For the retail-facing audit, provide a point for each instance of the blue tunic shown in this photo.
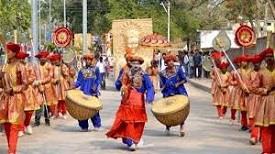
(147, 85)
(148, 88)
(168, 83)
(88, 80)
(118, 83)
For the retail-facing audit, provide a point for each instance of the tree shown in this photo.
(97, 9)
(132, 9)
(271, 5)
(14, 15)
(186, 15)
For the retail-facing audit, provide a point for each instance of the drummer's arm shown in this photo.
(161, 81)
(118, 83)
(150, 93)
(98, 79)
(182, 78)
(79, 79)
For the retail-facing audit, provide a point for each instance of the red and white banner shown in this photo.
(62, 37)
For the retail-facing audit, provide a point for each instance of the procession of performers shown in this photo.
(28, 89)
(12, 97)
(40, 90)
(250, 90)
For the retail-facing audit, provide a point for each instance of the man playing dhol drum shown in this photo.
(172, 81)
(88, 80)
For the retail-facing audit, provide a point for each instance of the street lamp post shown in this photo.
(34, 27)
(49, 26)
(64, 7)
(84, 40)
(39, 24)
(50, 11)
(168, 11)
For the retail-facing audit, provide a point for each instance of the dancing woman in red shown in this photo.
(131, 115)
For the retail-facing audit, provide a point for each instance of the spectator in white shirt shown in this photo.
(102, 69)
(157, 57)
(186, 62)
(162, 63)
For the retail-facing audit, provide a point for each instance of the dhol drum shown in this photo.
(171, 111)
(80, 106)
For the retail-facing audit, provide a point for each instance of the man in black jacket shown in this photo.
(197, 64)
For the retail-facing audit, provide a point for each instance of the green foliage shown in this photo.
(186, 15)
(51, 47)
(147, 9)
(237, 8)
(97, 9)
(14, 15)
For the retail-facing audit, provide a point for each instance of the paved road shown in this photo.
(204, 134)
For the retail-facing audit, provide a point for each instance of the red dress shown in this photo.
(131, 115)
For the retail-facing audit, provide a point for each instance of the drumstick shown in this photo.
(180, 83)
